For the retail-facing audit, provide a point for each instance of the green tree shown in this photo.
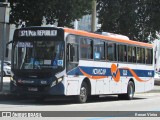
(133, 18)
(153, 24)
(114, 18)
(29, 11)
(66, 11)
(63, 12)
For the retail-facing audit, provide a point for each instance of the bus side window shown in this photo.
(99, 50)
(134, 54)
(148, 56)
(129, 54)
(140, 55)
(86, 48)
(106, 51)
(121, 53)
(143, 55)
(72, 52)
(111, 51)
(125, 53)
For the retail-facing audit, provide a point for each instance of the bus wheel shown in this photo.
(130, 92)
(82, 97)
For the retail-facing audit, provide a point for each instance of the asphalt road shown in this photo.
(149, 101)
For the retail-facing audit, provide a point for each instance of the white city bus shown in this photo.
(62, 61)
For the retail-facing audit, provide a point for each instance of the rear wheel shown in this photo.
(130, 92)
(82, 97)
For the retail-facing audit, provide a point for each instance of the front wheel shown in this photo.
(130, 92)
(82, 97)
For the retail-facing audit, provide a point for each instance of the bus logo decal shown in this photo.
(115, 72)
(91, 76)
(99, 71)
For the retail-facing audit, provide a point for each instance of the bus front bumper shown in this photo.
(37, 90)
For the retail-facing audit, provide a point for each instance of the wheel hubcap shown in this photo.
(131, 92)
(83, 93)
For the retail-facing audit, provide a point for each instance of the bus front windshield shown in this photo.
(38, 55)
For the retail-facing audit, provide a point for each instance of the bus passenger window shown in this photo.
(138, 55)
(99, 50)
(143, 55)
(129, 54)
(134, 54)
(125, 53)
(106, 51)
(121, 53)
(111, 51)
(148, 56)
(72, 52)
(86, 48)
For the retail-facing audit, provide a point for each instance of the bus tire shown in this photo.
(130, 92)
(82, 97)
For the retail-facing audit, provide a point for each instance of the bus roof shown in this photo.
(111, 38)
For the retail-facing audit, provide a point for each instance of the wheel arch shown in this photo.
(87, 81)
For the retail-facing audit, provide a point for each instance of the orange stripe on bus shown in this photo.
(101, 77)
(84, 33)
(135, 75)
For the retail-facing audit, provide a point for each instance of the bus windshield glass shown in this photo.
(38, 55)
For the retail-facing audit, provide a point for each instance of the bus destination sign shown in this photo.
(34, 33)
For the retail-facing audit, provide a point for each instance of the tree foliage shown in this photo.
(32, 12)
(134, 18)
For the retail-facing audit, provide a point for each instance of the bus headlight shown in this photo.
(60, 79)
(57, 81)
(11, 78)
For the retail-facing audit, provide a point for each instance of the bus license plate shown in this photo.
(33, 89)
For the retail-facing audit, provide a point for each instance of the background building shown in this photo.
(4, 26)
(84, 23)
